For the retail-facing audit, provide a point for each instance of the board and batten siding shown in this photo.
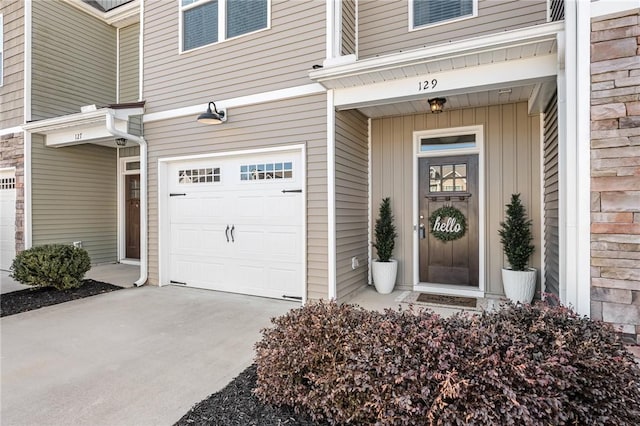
(74, 196)
(349, 27)
(512, 164)
(12, 90)
(551, 199)
(280, 123)
(73, 60)
(271, 59)
(129, 64)
(352, 202)
(383, 25)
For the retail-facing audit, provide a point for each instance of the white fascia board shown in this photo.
(611, 7)
(484, 77)
(79, 120)
(493, 41)
(10, 130)
(274, 95)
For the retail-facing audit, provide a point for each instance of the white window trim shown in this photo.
(478, 150)
(473, 14)
(222, 24)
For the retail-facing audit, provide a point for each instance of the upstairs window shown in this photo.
(424, 13)
(210, 21)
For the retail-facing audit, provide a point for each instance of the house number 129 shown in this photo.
(427, 85)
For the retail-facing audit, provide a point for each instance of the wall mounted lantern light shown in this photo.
(436, 104)
(121, 142)
(212, 117)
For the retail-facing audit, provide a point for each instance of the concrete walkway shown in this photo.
(138, 356)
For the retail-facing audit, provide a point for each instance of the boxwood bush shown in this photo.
(53, 265)
(524, 365)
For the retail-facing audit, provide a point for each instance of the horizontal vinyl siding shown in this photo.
(74, 197)
(511, 161)
(352, 201)
(383, 25)
(348, 27)
(551, 223)
(287, 122)
(74, 60)
(129, 63)
(277, 58)
(130, 151)
(12, 90)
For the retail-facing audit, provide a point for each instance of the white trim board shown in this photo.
(274, 95)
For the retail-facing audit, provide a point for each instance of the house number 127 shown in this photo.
(427, 85)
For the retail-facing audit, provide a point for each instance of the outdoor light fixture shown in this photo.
(121, 142)
(212, 117)
(436, 104)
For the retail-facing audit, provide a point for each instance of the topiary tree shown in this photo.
(53, 265)
(516, 236)
(385, 231)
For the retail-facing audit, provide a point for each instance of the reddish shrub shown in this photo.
(521, 365)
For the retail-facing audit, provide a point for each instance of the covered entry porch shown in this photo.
(501, 132)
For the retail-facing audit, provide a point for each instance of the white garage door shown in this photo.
(236, 224)
(7, 218)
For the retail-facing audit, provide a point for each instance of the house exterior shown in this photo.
(322, 115)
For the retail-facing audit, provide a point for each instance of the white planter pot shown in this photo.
(384, 275)
(519, 286)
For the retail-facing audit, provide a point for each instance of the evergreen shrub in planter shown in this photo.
(519, 281)
(384, 269)
(54, 265)
(525, 364)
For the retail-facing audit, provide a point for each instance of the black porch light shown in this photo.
(436, 104)
(121, 142)
(212, 117)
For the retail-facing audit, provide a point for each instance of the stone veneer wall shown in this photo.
(12, 155)
(615, 171)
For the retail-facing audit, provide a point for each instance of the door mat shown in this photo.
(439, 299)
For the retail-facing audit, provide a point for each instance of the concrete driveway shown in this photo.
(137, 356)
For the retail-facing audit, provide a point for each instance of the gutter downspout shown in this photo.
(111, 128)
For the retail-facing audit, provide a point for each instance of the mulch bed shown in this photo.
(34, 298)
(235, 405)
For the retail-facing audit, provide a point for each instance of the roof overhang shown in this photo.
(83, 127)
(514, 58)
(121, 16)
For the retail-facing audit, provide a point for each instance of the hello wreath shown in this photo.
(447, 223)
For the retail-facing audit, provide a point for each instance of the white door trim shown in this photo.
(163, 205)
(122, 226)
(477, 150)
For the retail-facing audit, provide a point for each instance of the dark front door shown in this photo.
(449, 181)
(132, 216)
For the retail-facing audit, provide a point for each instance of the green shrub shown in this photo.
(521, 365)
(55, 265)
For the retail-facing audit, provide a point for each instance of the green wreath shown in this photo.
(447, 223)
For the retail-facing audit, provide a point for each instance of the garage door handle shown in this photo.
(226, 233)
(233, 228)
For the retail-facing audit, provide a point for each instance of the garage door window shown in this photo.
(265, 171)
(208, 175)
(8, 183)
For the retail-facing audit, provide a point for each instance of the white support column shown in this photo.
(574, 158)
(331, 196)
